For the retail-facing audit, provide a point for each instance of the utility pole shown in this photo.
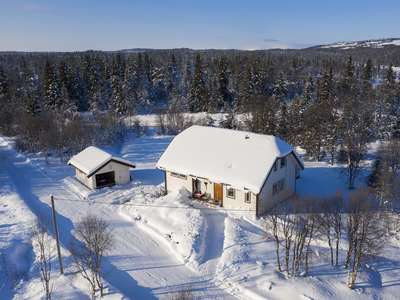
(56, 234)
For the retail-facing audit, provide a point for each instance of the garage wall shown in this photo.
(86, 181)
(122, 175)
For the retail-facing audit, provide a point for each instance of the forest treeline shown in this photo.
(328, 101)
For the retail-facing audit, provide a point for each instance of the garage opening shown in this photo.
(105, 179)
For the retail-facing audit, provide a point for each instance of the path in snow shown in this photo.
(214, 239)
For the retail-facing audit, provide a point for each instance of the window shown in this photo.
(230, 192)
(283, 161)
(277, 187)
(276, 166)
(281, 184)
(247, 197)
(181, 176)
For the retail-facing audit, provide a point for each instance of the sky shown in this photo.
(79, 25)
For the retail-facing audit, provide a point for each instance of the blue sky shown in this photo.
(77, 25)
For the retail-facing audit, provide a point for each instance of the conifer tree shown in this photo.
(4, 89)
(306, 96)
(280, 94)
(392, 103)
(51, 87)
(223, 81)
(33, 107)
(79, 92)
(258, 76)
(368, 71)
(32, 95)
(93, 95)
(198, 87)
(246, 89)
(173, 76)
(348, 78)
(295, 122)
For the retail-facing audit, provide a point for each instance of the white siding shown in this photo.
(82, 178)
(239, 200)
(175, 182)
(122, 175)
(288, 173)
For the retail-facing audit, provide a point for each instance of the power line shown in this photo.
(150, 205)
(125, 203)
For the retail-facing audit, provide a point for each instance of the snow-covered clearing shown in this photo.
(163, 244)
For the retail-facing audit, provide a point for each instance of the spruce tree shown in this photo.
(258, 76)
(223, 81)
(173, 75)
(368, 71)
(280, 94)
(4, 89)
(198, 87)
(79, 92)
(246, 90)
(51, 87)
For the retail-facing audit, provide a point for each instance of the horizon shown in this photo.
(141, 49)
(75, 26)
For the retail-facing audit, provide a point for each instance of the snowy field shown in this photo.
(164, 244)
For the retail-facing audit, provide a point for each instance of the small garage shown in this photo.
(97, 168)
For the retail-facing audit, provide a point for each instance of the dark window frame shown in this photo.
(247, 197)
(278, 186)
(178, 175)
(283, 162)
(228, 189)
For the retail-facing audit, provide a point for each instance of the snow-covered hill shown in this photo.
(379, 43)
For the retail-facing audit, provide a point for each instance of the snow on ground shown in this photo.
(166, 243)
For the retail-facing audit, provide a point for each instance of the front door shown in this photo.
(217, 191)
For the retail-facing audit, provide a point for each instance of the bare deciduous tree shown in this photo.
(175, 120)
(364, 233)
(330, 219)
(96, 239)
(161, 121)
(272, 224)
(45, 247)
(292, 223)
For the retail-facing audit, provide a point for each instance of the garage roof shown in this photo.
(90, 160)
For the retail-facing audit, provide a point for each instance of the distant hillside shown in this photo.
(379, 43)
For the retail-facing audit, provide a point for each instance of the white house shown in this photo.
(97, 168)
(235, 168)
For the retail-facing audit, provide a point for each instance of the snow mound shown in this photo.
(172, 220)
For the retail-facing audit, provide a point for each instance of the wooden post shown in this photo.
(56, 234)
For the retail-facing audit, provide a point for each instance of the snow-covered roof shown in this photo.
(90, 160)
(237, 158)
